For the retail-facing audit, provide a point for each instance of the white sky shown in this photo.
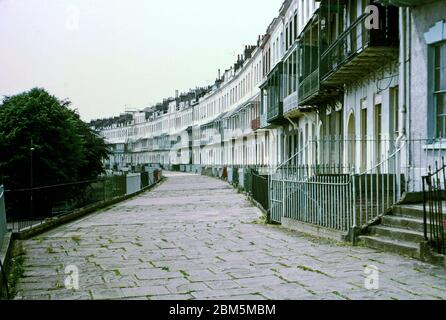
(122, 53)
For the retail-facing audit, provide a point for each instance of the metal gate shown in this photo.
(276, 207)
(434, 190)
(307, 194)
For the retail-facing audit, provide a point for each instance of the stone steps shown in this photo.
(415, 212)
(397, 234)
(405, 223)
(400, 232)
(412, 211)
(387, 244)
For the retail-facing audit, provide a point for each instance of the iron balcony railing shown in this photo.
(290, 103)
(355, 41)
(434, 192)
(211, 138)
(274, 102)
(308, 86)
(275, 111)
(205, 140)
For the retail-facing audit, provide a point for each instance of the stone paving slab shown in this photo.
(193, 237)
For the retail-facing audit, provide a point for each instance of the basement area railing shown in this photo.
(335, 196)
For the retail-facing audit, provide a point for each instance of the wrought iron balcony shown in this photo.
(359, 50)
(211, 138)
(308, 87)
(290, 103)
(275, 112)
(310, 92)
(205, 140)
(274, 98)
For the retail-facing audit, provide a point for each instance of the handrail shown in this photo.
(294, 156)
(366, 199)
(53, 186)
(384, 161)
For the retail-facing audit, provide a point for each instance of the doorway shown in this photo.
(351, 142)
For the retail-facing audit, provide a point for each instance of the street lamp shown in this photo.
(31, 149)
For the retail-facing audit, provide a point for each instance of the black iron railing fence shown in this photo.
(259, 189)
(32, 206)
(3, 228)
(3, 278)
(434, 191)
(4, 281)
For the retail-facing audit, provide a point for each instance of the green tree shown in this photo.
(36, 126)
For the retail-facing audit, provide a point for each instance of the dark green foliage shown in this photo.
(65, 148)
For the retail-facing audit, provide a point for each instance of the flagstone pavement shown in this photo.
(195, 237)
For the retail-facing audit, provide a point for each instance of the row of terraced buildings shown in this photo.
(340, 105)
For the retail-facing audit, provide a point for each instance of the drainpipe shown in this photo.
(409, 70)
(402, 77)
(402, 97)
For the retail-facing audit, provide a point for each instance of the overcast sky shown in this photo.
(105, 55)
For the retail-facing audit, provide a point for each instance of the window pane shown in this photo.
(441, 114)
(443, 56)
(437, 56)
(440, 68)
(437, 79)
(442, 81)
(441, 103)
(440, 127)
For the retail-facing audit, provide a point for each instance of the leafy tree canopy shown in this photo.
(64, 148)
